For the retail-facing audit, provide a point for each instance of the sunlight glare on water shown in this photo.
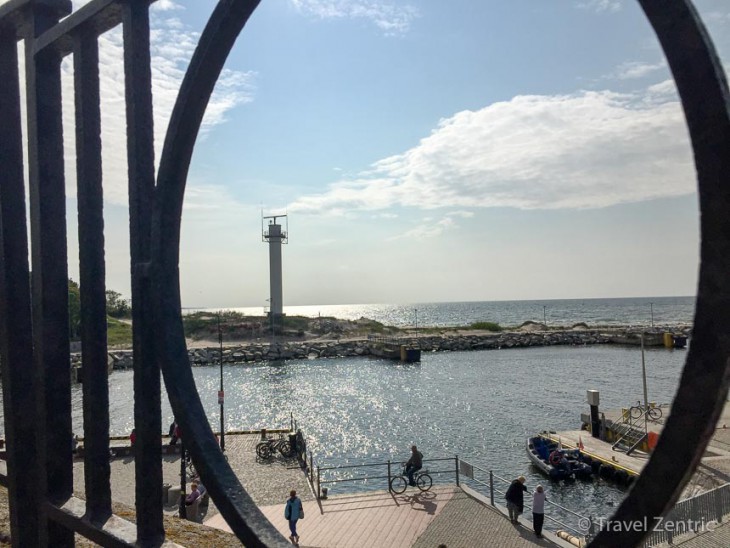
(480, 405)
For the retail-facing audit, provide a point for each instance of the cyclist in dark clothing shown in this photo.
(414, 464)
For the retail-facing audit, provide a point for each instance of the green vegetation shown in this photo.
(297, 322)
(116, 306)
(486, 326)
(369, 325)
(200, 325)
(118, 333)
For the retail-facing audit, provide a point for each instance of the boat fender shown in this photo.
(555, 457)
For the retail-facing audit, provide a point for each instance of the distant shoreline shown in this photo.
(207, 352)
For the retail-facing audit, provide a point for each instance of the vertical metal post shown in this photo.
(652, 314)
(311, 468)
(491, 488)
(25, 481)
(291, 421)
(456, 462)
(49, 265)
(717, 504)
(141, 170)
(416, 311)
(544, 315)
(389, 475)
(221, 396)
(183, 481)
(643, 376)
(318, 479)
(97, 469)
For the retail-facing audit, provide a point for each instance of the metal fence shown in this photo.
(495, 484)
(386, 471)
(695, 515)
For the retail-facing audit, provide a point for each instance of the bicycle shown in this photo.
(266, 448)
(399, 483)
(189, 466)
(652, 413)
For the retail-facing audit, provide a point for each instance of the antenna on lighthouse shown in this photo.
(272, 233)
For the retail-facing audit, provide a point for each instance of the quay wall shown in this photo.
(254, 352)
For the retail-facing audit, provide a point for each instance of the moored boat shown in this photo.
(555, 462)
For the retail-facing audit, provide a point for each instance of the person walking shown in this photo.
(538, 510)
(515, 498)
(294, 511)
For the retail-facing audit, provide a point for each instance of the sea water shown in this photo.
(643, 311)
(480, 405)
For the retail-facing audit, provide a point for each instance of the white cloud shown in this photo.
(600, 5)
(585, 150)
(392, 19)
(166, 5)
(429, 227)
(637, 69)
(172, 44)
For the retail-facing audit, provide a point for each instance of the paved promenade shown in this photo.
(268, 482)
(375, 519)
(380, 519)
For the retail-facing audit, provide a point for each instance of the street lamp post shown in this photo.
(221, 396)
(416, 311)
(544, 315)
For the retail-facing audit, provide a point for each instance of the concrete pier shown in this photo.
(714, 468)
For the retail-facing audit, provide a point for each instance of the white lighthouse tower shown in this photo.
(273, 234)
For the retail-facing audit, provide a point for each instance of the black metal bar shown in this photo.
(49, 267)
(240, 512)
(140, 160)
(97, 470)
(96, 17)
(703, 88)
(15, 12)
(25, 486)
(491, 488)
(114, 532)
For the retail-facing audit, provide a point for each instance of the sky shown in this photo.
(423, 151)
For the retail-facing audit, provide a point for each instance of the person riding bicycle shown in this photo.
(414, 464)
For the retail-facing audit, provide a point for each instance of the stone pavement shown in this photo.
(268, 482)
(465, 523)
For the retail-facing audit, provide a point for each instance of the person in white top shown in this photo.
(538, 510)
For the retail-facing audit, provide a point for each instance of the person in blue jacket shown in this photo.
(293, 512)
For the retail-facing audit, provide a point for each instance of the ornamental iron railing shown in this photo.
(34, 347)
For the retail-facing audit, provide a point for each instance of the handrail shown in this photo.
(493, 489)
(317, 487)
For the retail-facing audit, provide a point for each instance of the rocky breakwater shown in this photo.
(298, 350)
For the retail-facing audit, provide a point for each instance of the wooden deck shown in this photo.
(601, 450)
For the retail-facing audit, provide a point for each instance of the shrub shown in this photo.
(486, 326)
